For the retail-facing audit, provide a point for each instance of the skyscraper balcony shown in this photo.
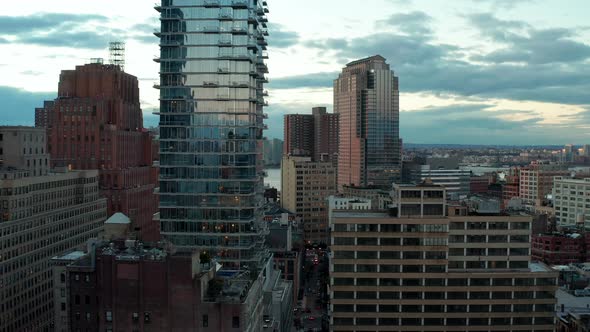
(211, 3)
(239, 30)
(225, 16)
(239, 3)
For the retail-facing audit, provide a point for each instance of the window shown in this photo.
(135, 317)
(109, 316)
(63, 306)
(235, 322)
(147, 317)
(205, 320)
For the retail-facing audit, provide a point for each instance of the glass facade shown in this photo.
(366, 98)
(212, 73)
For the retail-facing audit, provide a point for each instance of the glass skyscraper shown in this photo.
(212, 73)
(366, 98)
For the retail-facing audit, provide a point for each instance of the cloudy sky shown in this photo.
(471, 71)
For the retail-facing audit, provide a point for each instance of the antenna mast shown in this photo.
(117, 54)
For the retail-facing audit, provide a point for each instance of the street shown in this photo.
(311, 314)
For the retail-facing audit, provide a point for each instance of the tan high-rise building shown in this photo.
(366, 98)
(40, 217)
(536, 181)
(412, 268)
(306, 186)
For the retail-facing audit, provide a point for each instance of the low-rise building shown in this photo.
(126, 285)
(559, 249)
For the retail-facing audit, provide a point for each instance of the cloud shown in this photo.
(524, 44)
(477, 124)
(81, 39)
(503, 4)
(17, 25)
(87, 31)
(18, 106)
(413, 23)
(280, 37)
(543, 72)
(316, 80)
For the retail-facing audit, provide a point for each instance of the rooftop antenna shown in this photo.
(117, 54)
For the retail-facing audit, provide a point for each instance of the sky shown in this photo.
(511, 72)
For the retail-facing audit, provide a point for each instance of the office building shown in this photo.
(306, 186)
(569, 153)
(536, 181)
(366, 99)
(380, 198)
(212, 72)
(96, 123)
(571, 201)
(273, 152)
(343, 202)
(24, 148)
(456, 181)
(312, 135)
(40, 217)
(413, 268)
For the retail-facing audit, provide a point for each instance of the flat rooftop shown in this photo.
(570, 301)
(358, 214)
(72, 256)
(540, 267)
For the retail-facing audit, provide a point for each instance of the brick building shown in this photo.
(126, 285)
(312, 135)
(96, 123)
(479, 184)
(559, 249)
(536, 181)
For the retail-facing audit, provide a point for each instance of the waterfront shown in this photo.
(273, 178)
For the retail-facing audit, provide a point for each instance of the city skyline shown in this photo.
(477, 65)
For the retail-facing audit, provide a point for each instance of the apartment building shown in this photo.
(413, 268)
(571, 200)
(306, 186)
(312, 135)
